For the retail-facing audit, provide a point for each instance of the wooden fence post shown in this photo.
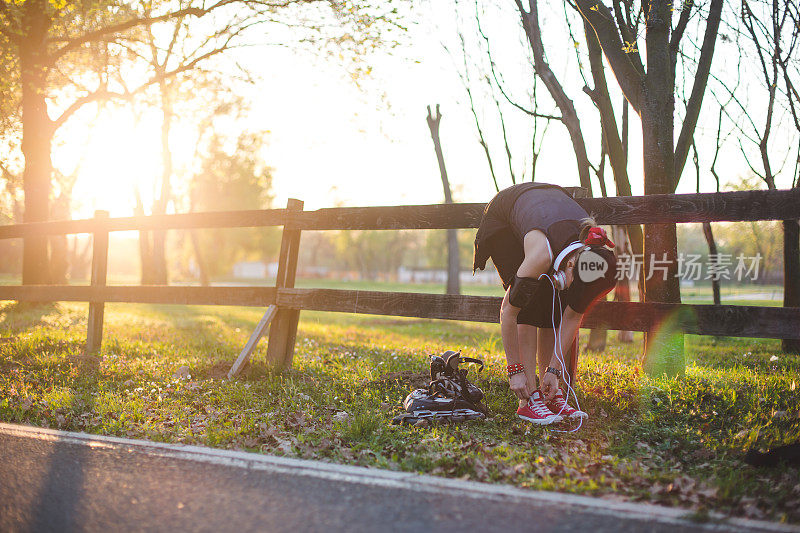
(283, 331)
(94, 334)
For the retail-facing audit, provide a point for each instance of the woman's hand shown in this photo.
(519, 385)
(549, 386)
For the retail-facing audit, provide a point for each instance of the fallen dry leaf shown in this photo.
(296, 419)
(284, 445)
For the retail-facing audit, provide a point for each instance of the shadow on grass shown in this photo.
(60, 495)
(19, 316)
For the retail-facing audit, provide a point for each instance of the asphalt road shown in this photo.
(58, 481)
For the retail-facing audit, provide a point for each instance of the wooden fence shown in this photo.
(288, 301)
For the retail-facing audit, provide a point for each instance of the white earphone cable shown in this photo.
(559, 353)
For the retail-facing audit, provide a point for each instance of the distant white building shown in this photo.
(252, 270)
(432, 275)
(481, 277)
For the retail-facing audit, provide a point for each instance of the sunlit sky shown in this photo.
(331, 143)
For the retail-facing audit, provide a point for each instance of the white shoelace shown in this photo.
(561, 402)
(538, 407)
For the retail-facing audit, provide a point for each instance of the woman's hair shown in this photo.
(586, 224)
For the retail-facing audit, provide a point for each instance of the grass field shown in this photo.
(677, 442)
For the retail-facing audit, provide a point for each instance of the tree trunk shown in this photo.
(712, 251)
(201, 261)
(597, 337)
(530, 22)
(157, 256)
(622, 292)
(80, 261)
(616, 146)
(664, 348)
(145, 261)
(59, 247)
(37, 136)
(59, 260)
(616, 143)
(453, 282)
(791, 275)
(634, 231)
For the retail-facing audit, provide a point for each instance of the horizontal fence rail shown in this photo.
(737, 206)
(727, 320)
(145, 294)
(211, 219)
(656, 209)
(724, 320)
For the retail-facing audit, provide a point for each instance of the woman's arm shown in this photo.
(510, 338)
(570, 323)
(536, 262)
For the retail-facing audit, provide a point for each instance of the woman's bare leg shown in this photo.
(527, 351)
(545, 344)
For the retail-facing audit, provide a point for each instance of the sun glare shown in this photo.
(119, 155)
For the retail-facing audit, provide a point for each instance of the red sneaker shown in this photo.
(560, 405)
(536, 411)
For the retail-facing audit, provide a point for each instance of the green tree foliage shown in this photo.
(57, 56)
(372, 252)
(435, 252)
(748, 239)
(234, 177)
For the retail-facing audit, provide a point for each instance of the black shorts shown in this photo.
(507, 254)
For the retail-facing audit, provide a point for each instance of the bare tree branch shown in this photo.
(791, 90)
(629, 77)
(95, 96)
(101, 33)
(103, 94)
(747, 160)
(505, 139)
(530, 22)
(574, 42)
(677, 33)
(733, 98)
(599, 95)
(465, 82)
(600, 171)
(493, 69)
(796, 177)
(716, 150)
(698, 88)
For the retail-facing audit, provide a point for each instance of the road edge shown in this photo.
(392, 479)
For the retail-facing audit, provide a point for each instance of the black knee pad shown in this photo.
(523, 291)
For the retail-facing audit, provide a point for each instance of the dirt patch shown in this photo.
(218, 370)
